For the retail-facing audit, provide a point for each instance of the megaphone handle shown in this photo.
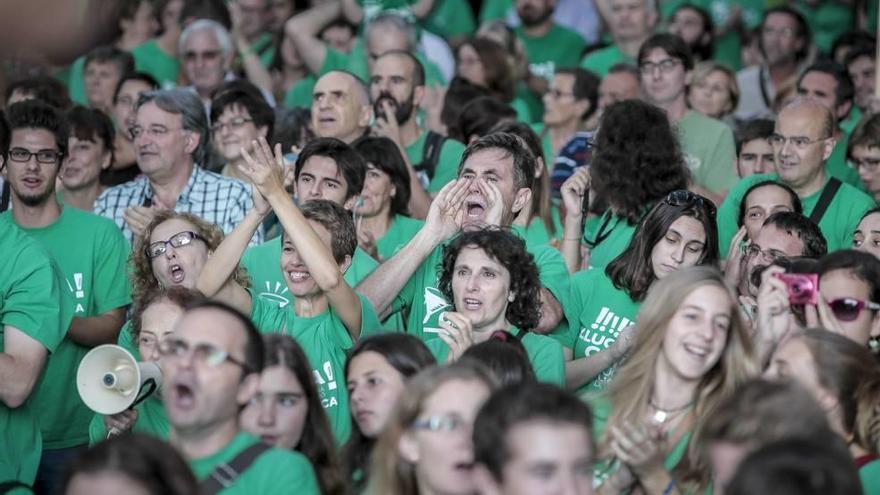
(150, 386)
(114, 431)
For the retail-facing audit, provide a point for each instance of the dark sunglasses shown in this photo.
(849, 309)
(683, 197)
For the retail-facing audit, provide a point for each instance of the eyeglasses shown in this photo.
(799, 142)
(234, 123)
(207, 56)
(206, 354)
(684, 197)
(769, 256)
(848, 308)
(155, 131)
(179, 239)
(22, 155)
(556, 94)
(441, 422)
(666, 66)
(869, 164)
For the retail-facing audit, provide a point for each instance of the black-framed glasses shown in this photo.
(440, 422)
(46, 156)
(683, 197)
(799, 142)
(849, 308)
(666, 66)
(179, 239)
(869, 164)
(233, 123)
(209, 355)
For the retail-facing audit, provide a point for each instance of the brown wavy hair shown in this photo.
(143, 281)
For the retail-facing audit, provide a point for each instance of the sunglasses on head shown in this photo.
(849, 309)
(683, 197)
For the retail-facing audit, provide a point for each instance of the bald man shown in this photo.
(802, 141)
(341, 107)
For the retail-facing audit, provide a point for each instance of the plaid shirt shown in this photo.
(220, 200)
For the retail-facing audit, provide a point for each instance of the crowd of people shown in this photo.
(443, 247)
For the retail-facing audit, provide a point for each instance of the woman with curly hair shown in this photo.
(636, 162)
(677, 233)
(691, 351)
(493, 284)
(286, 411)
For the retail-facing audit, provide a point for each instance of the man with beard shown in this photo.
(785, 43)
(90, 253)
(397, 88)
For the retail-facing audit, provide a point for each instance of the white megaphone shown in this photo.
(110, 380)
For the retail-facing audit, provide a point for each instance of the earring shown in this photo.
(511, 297)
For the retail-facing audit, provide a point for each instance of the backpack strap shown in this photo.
(430, 156)
(227, 473)
(825, 199)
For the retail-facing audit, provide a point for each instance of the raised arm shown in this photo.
(573, 191)
(216, 280)
(444, 220)
(268, 176)
(303, 30)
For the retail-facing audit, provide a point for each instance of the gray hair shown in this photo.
(221, 34)
(391, 19)
(191, 110)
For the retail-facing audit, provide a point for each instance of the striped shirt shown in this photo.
(220, 200)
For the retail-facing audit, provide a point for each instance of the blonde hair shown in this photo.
(702, 71)
(390, 474)
(143, 280)
(631, 390)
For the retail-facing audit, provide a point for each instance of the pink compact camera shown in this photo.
(803, 288)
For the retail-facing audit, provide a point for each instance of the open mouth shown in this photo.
(297, 276)
(177, 273)
(464, 467)
(475, 209)
(697, 352)
(184, 396)
(472, 304)
(32, 181)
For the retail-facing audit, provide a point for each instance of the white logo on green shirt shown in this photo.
(435, 304)
(326, 384)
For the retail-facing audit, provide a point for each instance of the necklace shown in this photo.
(662, 415)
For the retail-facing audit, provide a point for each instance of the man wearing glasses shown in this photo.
(666, 65)
(171, 140)
(211, 364)
(90, 254)
(785, 44)
(802, 141)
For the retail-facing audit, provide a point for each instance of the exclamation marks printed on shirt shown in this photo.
(602, 314)
(624, 323)
(328, 370)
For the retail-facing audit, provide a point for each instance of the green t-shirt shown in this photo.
(827, 21)
(870, 477)
(545, 355)
(559, 48)
(424, 301)
(709, 151)
(76, 82)
(151, 420)
(149, 58)
(402, 229)
(603, 59)
(263, 264)
(275, 470)
(91, 267)
(300, 94)
(451, 18)
(607, 236)
(325, 341)
(447, 165)
(727, 47)
(852, 120)
(599, 312)
(601, 407)
(536, 233)
(837, 224)
(31, 301)
(837, 166)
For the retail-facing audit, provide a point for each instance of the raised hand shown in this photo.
(641, 447)
(368, 243)
(388, 126)
(573, 190)
(263, 169)
(774, 319)
(734, 258)
(447, 210)
(119, 423)
(457, 332)
(139, 217)
(494, 201)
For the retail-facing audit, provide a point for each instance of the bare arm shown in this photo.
(250, 61)
(581, 371)
(352, 12)
(303, 30)
(21, 363)
(96, 330)
(443, 221)
(573, 191)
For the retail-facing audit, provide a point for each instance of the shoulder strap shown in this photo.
(431, 153)
(227, 473)
(825, 199)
